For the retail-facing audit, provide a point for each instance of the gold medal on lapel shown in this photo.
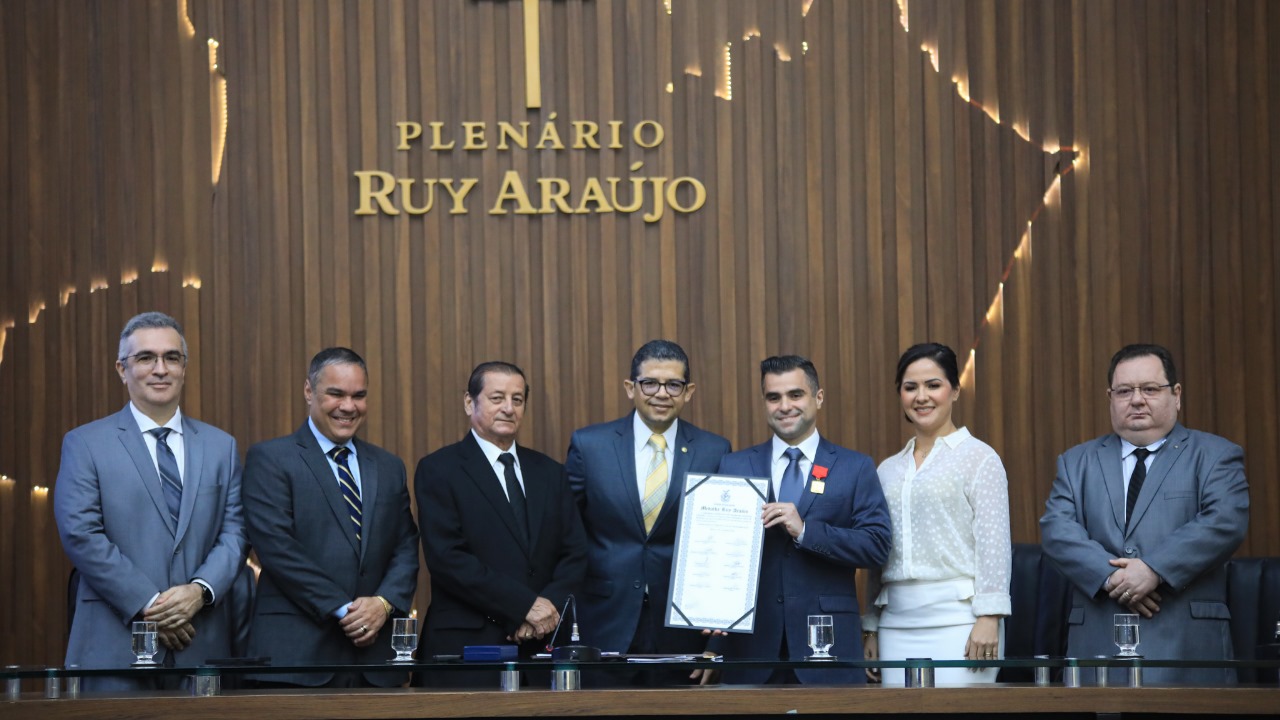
(817, 487)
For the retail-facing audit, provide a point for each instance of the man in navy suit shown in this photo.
(826, 517)
(148, 506)
(626, 476)
(501, 535)
(329, 517)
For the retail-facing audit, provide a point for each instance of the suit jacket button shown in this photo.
(779, 598)
(1130, 551)
(635, 585)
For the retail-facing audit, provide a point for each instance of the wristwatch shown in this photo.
(206, 592)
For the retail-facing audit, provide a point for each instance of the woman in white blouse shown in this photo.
(945, 590)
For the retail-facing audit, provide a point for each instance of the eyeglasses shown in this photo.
(1148, 391)
(173, 358)
(649, 386)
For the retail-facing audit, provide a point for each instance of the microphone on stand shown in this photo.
(574, 651)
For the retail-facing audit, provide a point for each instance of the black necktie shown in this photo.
(1135, 482)
(515, 494)
(170, 478)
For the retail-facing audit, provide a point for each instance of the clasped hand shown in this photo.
(1134, 585)
(365, 617)
(540, 620)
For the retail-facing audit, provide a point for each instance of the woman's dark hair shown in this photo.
(944, 356)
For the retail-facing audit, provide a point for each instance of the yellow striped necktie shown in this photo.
(655, 484)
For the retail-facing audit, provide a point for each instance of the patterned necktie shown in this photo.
(656, 482)
(170, 478)
(515, 494)
(792, 485)
(347, 484)
(1135, 482)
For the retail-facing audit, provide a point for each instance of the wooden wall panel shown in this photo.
(858, 200)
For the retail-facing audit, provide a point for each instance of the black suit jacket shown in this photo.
(311, 560)
(484, 578)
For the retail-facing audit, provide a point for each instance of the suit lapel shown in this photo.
(1165, 459)
(682, 454)
(1108, 458)
(826, 457)
(193, 448)
(311, 455)
(476, 467)
(627, 490)
(537, 496)
(761, 467)
(136, 447)
(368, 493)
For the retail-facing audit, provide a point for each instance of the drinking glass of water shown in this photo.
(144, 642)
(404, 639)
(822, 635)
(1126, 635)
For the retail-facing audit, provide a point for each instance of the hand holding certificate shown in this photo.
(719, 544)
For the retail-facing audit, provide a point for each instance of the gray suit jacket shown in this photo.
(311, 561)
(1191, 515)
(116, 528)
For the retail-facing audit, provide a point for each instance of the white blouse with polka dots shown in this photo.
(950, 522)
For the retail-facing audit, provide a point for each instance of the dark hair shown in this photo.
(333, 356)
(940, 354)
(148, 321)
(1129, 352)
(779, 364)
(475, 384)
(659, 350)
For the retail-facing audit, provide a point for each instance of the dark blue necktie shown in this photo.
(792, 484)
(170, 478)
(347, 483)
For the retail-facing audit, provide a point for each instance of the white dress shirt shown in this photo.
(1128, 462)
(492, 453)
(645, 452)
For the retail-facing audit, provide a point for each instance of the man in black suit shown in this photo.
(329, 517)
(502, 537)
(626, 475)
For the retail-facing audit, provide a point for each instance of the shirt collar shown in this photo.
(491, 451)
(1127, 448)
(146, 424)
(809, 447)
(643, 433)
(952, 441)
(325, 443)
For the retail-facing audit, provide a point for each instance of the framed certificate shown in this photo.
(719, 543)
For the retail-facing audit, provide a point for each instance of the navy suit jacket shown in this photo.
(484, 576)
(622, 559)
(311, 561)
(116, 528)
(846, 527)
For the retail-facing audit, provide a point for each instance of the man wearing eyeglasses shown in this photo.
(1142, 521)
(147, 503)
(627, 476)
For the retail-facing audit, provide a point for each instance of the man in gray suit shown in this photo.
(328, 515)
(1143, 521)
(626, 476)
(147, 503)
